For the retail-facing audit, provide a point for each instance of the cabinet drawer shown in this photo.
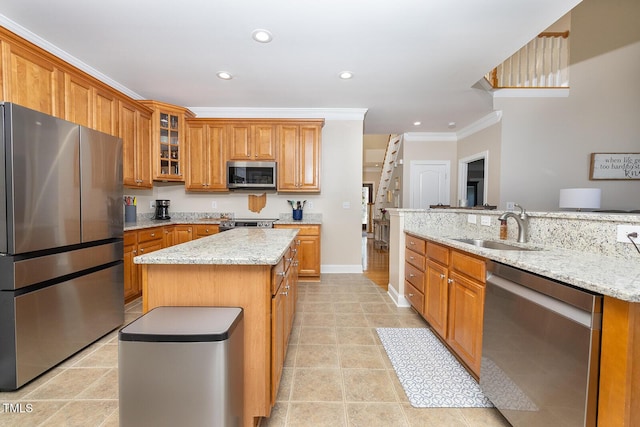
(415, 244)
(415, 297)
(415, 259)
(148, 247)
(468, 265)
(130, 238)
(305, 230)
(414, 276)
(438, 253)
(277, 275)
(203, 230)
(150, 234)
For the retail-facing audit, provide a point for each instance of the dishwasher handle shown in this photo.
(583, 317)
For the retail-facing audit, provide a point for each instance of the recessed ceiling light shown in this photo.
(224, 75)
(452, 125)
(262, 36)
(417, 123)
(346, 75)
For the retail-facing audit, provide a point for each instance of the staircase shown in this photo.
(542, 63)
(388, 168)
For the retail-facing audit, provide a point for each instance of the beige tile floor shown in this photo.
(336, 372)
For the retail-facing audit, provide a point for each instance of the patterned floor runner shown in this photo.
(430, 375)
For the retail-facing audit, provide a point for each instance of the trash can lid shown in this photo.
(183, 324)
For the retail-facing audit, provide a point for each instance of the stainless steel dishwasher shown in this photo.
(541, 349)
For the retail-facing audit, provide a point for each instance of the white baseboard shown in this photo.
(398, 299)
(344, 269)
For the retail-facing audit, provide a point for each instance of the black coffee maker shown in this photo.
(162, 209)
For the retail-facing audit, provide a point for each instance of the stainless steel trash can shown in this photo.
(182, 366)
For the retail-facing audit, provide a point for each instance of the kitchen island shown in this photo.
(255, 269)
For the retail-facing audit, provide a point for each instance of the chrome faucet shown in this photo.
(523, 222)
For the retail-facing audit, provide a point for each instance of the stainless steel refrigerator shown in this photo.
(61, 250)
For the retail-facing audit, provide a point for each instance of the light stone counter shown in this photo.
(611, 276)
(240, 246)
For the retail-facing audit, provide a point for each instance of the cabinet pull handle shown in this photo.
(141, 250)
(153, 234)
(411, 275)
(135, 252)
(410, 295)
(281, 273)
(412, 243)
(285, 293)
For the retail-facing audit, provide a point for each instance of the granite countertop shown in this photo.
(241, 246)
(614, 277)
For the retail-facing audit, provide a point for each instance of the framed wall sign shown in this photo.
(619, 166)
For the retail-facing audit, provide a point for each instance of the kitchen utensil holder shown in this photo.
(297, 214)
(130, 213)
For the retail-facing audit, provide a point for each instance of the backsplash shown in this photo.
(584, 232)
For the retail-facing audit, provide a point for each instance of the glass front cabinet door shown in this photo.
(168, 136)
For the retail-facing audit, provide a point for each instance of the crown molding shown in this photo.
(488, 120)
(275, 113)
(55, 50)
(430, 136)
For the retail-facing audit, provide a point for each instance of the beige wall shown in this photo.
(341, 183)
(428, 147)
(547, 142)
(488, 139)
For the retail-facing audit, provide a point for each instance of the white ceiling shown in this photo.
(413, 60)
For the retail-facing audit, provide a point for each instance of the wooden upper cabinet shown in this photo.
(105, 111)
(206, 156)
(32, 81)
(299, 157)
(135, 131)
(168, 140)
(90, 106)
(78, 100)
(252, 141)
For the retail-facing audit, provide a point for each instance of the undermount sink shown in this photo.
(492, 244)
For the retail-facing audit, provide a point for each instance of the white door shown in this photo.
(429, 183)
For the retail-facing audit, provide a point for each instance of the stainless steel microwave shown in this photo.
(251, 175)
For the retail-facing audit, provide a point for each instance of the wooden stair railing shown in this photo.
(388, 166)
(541, 63)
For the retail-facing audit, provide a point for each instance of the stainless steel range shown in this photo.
(229, 224)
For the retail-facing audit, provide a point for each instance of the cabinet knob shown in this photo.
(285, 293)
(412, 243)
(449, 281)
(141, 250)
(410, 295)
(135, 252)
(412, 275)
(153, 234)
(281, 273)
(442, 276)
(411, 257)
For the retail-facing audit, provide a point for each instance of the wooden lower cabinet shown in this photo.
(182, 234)
(204, 230)
(136, 243)
(436, 302)
(452, 286)
(309, 250)
(466, 308)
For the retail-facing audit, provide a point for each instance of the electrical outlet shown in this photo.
(471, 219)
(624, 230)
(485, 220)
(214, 204)
(152, 204)
(309, 204)
(511, 206)
(346, 205)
